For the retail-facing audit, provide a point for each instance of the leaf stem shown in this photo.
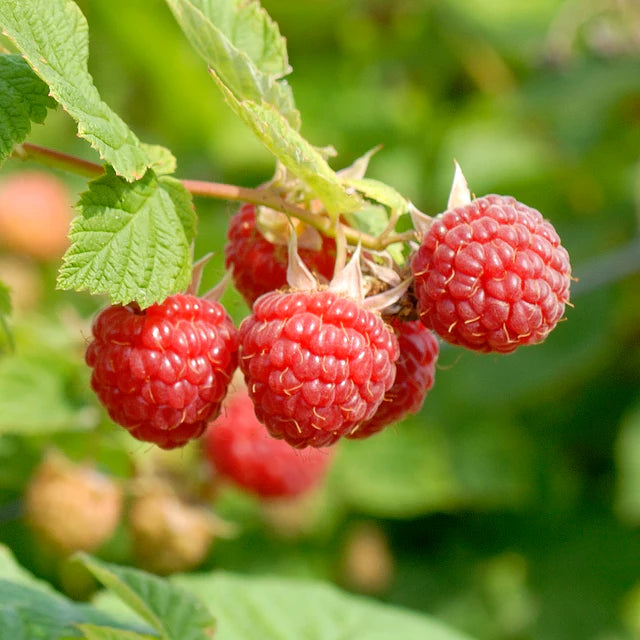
(260, 196)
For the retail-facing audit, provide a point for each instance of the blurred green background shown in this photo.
(510, 506)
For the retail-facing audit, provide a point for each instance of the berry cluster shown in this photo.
(322, 361)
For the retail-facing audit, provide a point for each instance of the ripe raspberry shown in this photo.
(491, 275)
(260, 266)
(316, 363)
(240, 448)
(415, 371)
(71, 507)
(163, 372)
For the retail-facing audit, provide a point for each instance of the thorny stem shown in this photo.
(260, 196)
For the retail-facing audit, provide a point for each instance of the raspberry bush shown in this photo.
(300, 329)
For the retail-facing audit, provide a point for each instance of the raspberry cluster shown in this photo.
(319, 362)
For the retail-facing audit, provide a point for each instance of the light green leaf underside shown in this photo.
(243, 46)
(53, 37)
(172, 611)
(293, 151)
(380, 192)
(24, 99)
(131, 240)
(163, 162)
(288, 609)
(250, 29)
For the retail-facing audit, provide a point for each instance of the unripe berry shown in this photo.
(71, 507)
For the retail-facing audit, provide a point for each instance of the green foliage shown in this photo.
(6, 338)
(131, 240)
(23, 99)
(53, 37)
(171, 611)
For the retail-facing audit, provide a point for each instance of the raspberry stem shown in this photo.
(260, 196)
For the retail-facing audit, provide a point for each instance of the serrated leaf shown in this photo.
(172, 611)
(380, 192)
(93, 632)
(163, 162)
(53, 37)
(249, 607)
(131, 240)
(250, 29)
(293, 151)
(243, 46)
(24, 99)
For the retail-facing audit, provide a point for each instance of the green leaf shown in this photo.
(269, 607)
(163, 161)
(34, 398)
(24, 99)
(6, 337)
(53, 37)
(380, 192)
(172, 611)
(93, 632)
(293, 151)
(243, 46)
(131, 240)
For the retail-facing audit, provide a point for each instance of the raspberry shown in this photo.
(491, 275)
(240, 448)
(163, 372)
(260, 266)
(316, 363)
(168, 534)
(71, 507)
(415, 371)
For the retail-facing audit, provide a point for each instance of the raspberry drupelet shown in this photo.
(162, 372)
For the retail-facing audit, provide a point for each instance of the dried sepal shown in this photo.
(298, 274)
(459, 194)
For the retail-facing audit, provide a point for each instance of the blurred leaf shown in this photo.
(34, 398)
(296, 154)
(174, 612)
(6, 338)
(53, 37)
(131, 240)
(627, 450)
(416, 468)
(31, 609)
(93, 632)
(23, 99)
(243, 46)
(259, 607)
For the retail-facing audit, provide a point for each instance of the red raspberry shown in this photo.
(162, 373)
(491, 275)
(260, 266)
(240, 448)
(317, 364)
(415, 371)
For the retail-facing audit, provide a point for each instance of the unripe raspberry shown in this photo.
(163, 372)
(168, 534)
(491, 275)
(35, 213)
(316, 363)
(241, 449)
(260, 266)
(71, 507)
(415, 371)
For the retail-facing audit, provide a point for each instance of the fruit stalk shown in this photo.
(261, 196)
